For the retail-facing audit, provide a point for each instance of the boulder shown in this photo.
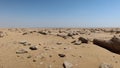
(83, 40)
(112, 45)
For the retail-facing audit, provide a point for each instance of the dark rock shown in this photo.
(43, 32)
(83, 40)
(61, 55)
(25, 33)
(33, 48)
(50, 55)
(34, 60)
(113, 44)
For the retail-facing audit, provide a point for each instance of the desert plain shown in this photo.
(56, 48)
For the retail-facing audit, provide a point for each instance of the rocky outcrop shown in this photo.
(113, 44)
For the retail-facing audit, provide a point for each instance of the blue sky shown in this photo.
(59, 13)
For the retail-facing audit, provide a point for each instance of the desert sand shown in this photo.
(56, 48)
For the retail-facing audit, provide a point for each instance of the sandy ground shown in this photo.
(15, 49)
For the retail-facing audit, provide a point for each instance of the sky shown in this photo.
(60, 13)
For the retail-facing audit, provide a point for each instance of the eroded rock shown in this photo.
(33, 48)
(21, 51)
(67, 65)
(83, 40)
(76, 42)
(61, 55)
(113, 44)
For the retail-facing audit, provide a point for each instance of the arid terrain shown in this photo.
(57, 48)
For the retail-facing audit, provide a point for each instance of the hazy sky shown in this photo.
(59, 13)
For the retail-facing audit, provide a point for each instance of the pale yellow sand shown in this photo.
(81, 56)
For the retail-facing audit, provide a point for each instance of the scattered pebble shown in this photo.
(58, 43)
(29, 56)
(61, 55)
(34, 60)
(21, 51)
(33, 48)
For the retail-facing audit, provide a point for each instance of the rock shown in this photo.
(61, 55)
(72, 33)
(83, 40)
(112, 45)
(43, 32)
(21, 51)
(63, 35)
(116, 40)
(50, 55)
(33, 48)
(2, 34)
(67, 65)
(34, 60)
(76, 42)
(23, 42)
(105, 65)
(25, 33)
(58, 43)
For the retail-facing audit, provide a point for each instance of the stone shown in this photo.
(83, 40)
(2, 34)
(77, 42)
(34, 60)
(25, 33)
(105, 65)
(43, 32)
(23, 42)
(58, 43)
(29, 56)
(71, 34)
(21, 51)
(63, 35)
(33, 48)
(112, 45)
(61, 55)
(67, 65)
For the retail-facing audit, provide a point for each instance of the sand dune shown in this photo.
(56, 48)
